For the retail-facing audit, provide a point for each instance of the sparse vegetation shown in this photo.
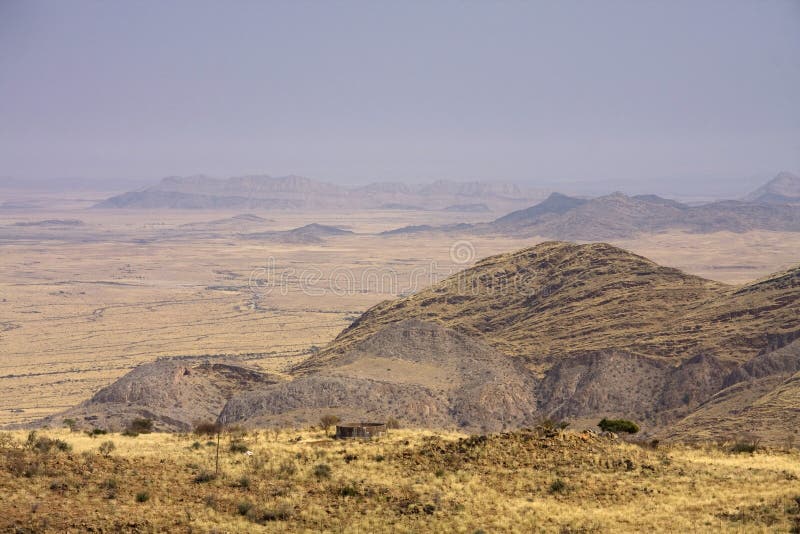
(327, 421)
(618, 425)
(138, 426)
(322, 471)
(558, 486)
(204, 476)
(745, 446)
(106, 448)
(525, 480)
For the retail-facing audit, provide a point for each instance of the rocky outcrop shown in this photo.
(174, 393)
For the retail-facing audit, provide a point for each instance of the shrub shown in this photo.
(138, 426)
(552, 424)
(392, 423)
(238, 447)
(349, 490)
(207, 428)
(196, 445)
(142, 496)
(70, 423)
(327, 421)
(618, 425)
(204, 476)
(7, 441)
(44, 444)
(558, 486)
(106, 448)
(287, 469)
(243, 482)
(745, 446)
(93, 433)
(19, 464)
(244, 507)
(322, 471)
(59, 485)
(282, 512)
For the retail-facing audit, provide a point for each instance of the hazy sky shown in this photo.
(671, 94)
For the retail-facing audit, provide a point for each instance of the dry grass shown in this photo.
(409, 481)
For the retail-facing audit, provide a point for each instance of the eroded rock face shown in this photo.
(421, 373)
(175, 393)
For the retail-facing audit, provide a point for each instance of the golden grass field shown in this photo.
(408, 481)
(81, 306)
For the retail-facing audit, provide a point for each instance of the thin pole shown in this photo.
(216, 469)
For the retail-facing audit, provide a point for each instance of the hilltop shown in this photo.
(558, 298)
(783, 189)
(310, 233)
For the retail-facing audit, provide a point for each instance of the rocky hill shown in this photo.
(310, 233)
(556, 299)
(783, 189)
(174, 393)
(620, 216)
(559, 330)
(426, 374)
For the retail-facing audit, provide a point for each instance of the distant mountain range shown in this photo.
(772, 207)
(296, 192)
(783, 189)
(559, 330)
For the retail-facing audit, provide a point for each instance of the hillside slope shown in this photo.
(783, 189)
(620, 216)
(419, 372)
(175, 393)
(555, 299)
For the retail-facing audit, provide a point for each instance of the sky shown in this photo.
(670, 97)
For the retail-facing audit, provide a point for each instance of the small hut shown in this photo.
(360, 430)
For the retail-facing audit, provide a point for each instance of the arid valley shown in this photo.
(399, 267)
(83, 304)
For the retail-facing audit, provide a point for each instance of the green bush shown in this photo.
(618, 425)
(142, 496)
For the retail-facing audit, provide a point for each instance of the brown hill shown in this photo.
(174, 393)
(556, 299)
(310, 233)
(419, 372)
(762, 399)
(558, 330)
(621, 216)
